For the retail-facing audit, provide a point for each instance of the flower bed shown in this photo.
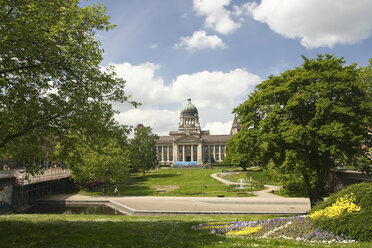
(293, 228)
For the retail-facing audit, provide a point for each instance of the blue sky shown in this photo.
(216, 51)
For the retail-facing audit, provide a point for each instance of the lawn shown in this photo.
(175, 182)
(128, 231)
(257, 175)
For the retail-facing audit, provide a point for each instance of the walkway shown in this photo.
(263, 203)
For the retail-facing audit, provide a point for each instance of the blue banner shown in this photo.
(186, 163)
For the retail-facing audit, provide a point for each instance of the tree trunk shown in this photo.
(104, 189)
(244, 168)
(315, 192)
(144, 173)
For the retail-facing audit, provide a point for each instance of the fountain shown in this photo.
(241, 182)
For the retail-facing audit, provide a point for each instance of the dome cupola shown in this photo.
(189, 118)
(189, 107)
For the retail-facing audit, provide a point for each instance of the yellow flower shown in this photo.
(342, 205)
(215, 226)
(244, 231)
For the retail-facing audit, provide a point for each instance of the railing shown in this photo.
(49, 174)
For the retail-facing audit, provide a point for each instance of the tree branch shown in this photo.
(18, 69)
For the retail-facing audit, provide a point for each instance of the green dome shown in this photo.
(189, 107)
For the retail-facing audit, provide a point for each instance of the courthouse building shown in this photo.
(190, 145)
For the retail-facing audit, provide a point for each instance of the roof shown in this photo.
(189, 107)
(216, 138)
(165, 139)
(206, 139)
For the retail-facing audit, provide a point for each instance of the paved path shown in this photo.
(264, 203)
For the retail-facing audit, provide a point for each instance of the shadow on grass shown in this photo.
(136, 190)
(140, 178)
(109, 233)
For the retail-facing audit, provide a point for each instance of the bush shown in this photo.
(295, 187)
(355, 224)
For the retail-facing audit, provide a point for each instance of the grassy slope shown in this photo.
(125, 231)
(183, 182)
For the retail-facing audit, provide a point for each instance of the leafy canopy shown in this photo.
(308, 120)
(50, 78)
(143, 150)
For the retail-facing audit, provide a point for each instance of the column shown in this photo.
(214, 152)
(162, 153)
(200, 153)
(219, 152)
(175, 153)
(192, 152)
(168, 154)
(183, 153)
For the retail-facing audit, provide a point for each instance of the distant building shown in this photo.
(190, 145)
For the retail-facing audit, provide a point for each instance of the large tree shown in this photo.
(309, 120)
(242, 154)
(50, 79)
(143, 150)
(103, 157)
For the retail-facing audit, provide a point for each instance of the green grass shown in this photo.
(127, 231)
(257, 176)
(176, 182)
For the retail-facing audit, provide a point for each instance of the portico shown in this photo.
(190, 144)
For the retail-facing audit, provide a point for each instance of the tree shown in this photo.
(242, 154)
(309, 120)
(143, 150)
(50, 78)
(105, 157)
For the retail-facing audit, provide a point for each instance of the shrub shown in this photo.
(356, 224)
(294, 187)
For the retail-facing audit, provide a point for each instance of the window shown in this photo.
(171, 153)
(195, 153)
(222, 151)
(211, 153)
(205, 153)
(159, 153)
(217, 152)
(188, 153)
(165, 157)
(180, 153)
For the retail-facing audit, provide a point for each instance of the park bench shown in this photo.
(242, 193)
(160, 191)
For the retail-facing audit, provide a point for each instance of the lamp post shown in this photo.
(251, 185)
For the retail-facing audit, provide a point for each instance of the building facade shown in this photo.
(190, 145)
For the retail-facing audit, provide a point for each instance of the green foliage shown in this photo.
(143, 150)
(355, 224)
(105, 158)
(295, 187)
(306, 121)
(241, 154)
(51, 82)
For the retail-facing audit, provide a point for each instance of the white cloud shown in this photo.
(217, 90)
(218, 17)
(218, 127)
(215, 94)
(142, 83)
(317, 23)
(153, 46)
(200, 40)
(161, 121)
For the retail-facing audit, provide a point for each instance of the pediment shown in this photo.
(187, 139)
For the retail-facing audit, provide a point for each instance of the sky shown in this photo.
(217, 51)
